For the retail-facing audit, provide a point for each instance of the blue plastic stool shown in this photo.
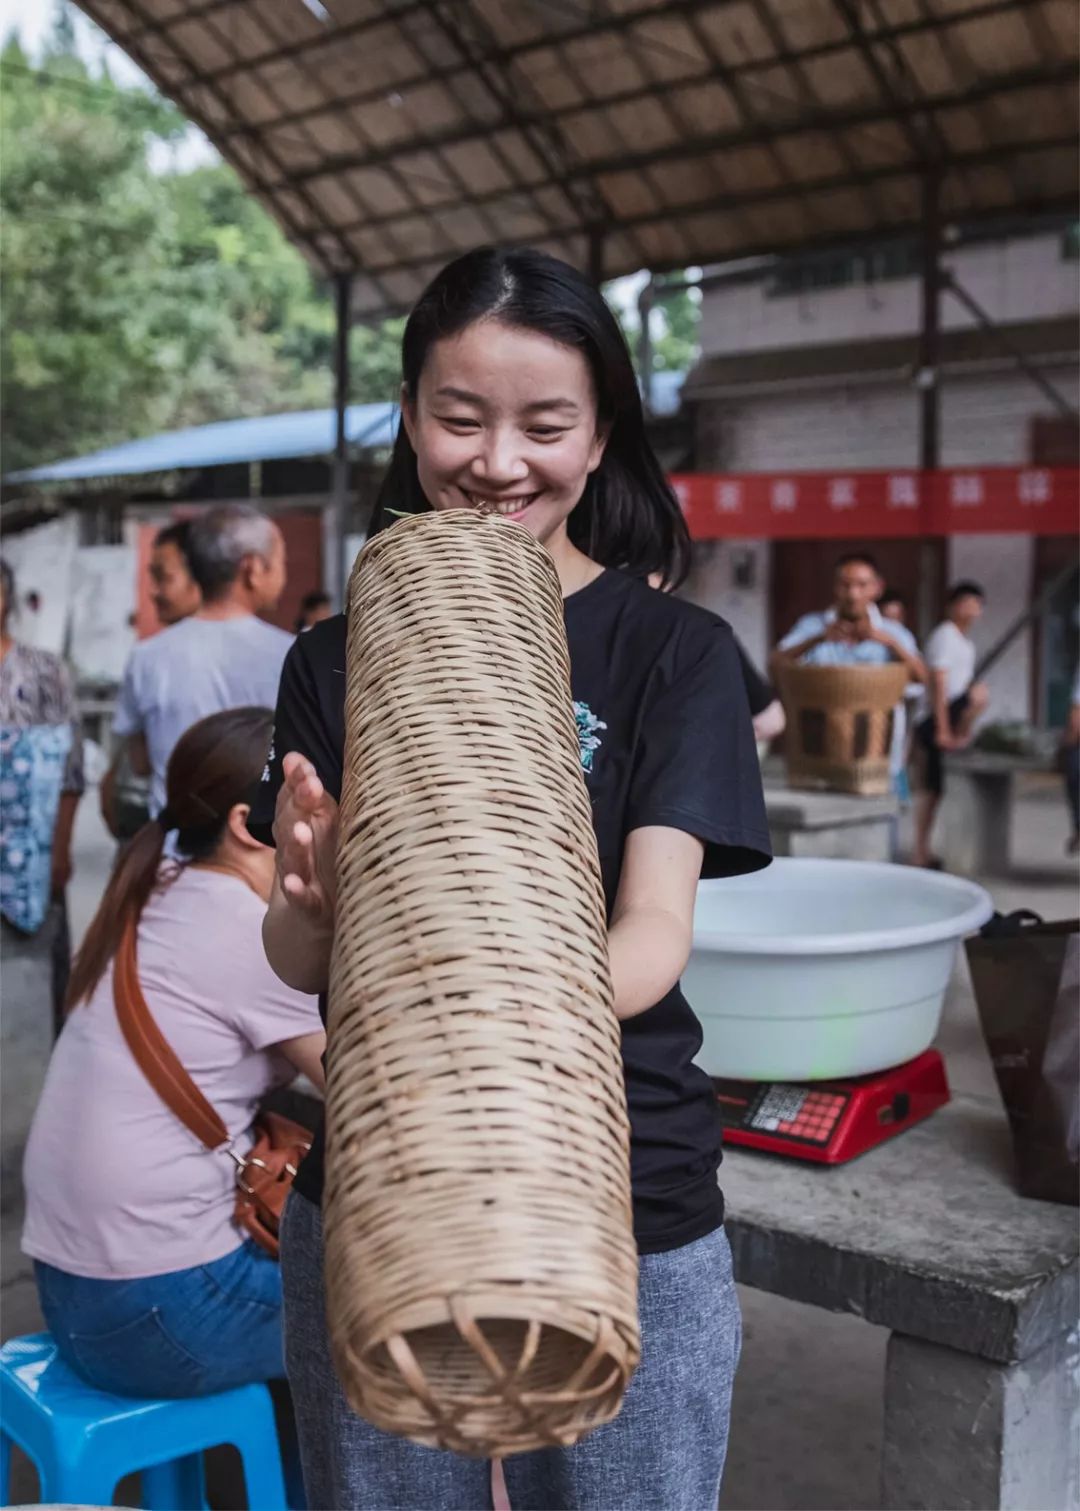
(84, 1441)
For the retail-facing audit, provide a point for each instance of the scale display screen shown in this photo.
(831, 1121)
(799, 1112)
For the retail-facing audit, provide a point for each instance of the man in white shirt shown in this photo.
(955, 700)
(222, 656)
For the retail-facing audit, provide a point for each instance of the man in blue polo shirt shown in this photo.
(854, 632)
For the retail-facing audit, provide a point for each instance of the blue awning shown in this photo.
(307, 432)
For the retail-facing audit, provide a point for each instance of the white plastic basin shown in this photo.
(813, 969)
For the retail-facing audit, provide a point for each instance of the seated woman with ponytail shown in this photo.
(147, 1283)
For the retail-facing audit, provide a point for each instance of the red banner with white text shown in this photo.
(947, 501)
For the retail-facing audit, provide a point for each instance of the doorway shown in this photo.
(802, 574)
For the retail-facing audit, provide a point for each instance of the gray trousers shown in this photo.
(665, 1450)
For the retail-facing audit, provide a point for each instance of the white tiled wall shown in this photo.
(985, 420)
(1023, 279)
(712, 583)
(819, 424)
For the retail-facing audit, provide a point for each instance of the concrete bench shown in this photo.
(831, 824)
(977, 811)
(979, 1288)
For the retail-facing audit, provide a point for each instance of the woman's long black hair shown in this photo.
(628, 516)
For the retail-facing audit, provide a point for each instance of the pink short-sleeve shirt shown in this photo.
(116, 1186)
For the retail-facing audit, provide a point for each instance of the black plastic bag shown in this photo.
(1026, 976)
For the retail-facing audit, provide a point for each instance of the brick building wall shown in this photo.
(987, 419)
(1015, 279)
(777, 390)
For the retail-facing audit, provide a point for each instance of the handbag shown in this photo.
(264, 1176)
(1026, 973)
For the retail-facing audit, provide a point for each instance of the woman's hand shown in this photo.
(305, 833)
(298, 930)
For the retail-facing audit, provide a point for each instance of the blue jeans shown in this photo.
(187, 1333)
(664, 1451)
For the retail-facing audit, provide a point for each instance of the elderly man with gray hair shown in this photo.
(222, 656)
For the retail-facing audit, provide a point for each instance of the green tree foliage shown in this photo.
(675, 348)
(134, 299)
(675, 325)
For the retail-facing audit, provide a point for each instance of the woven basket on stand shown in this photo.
(480, 1262)
(840, 725)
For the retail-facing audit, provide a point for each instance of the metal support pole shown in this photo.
(986, 323)
(646, 304)
(336, 511)
(928, 376)
(928, 380)
(1022, 620)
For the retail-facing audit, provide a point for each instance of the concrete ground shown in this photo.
(806, 1427)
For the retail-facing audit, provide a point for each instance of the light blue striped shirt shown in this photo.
(847, 653)
(857, 653)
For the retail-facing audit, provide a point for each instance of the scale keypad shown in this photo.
(798, 1112)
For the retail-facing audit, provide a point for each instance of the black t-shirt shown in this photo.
(666, 738)
(759, 692)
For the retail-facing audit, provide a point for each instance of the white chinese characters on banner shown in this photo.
(729, 497)
(902, 491)
(842, 493)
(783, 496)
(1035, 488)
(966, 490)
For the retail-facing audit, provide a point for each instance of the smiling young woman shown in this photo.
(519, 397)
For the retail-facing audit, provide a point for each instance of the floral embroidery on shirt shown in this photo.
(588, 739)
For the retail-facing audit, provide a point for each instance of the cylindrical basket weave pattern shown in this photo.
(480, 1262)
(840, 725)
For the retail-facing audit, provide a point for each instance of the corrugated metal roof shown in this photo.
(306, 432)
(387, 136)
(271, 437)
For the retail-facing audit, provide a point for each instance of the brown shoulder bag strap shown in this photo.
(155, 1056)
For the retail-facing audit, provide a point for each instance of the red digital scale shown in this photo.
(831, 1121)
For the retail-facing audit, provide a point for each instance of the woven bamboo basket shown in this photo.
(840, 725)
(480, 1262)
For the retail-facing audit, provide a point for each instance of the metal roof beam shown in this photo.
(729, 72)
(742, 94)
(545, 143)
(298, 232)
(959, 62)
(163, 27)
(720, 142)
(497, 91)
(504, 54)
(675, 213)
(810, 99)
(826, 242)
(269, 89)
(572, 176)
(924, 150)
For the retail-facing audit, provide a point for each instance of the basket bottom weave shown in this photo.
(488, 1387)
